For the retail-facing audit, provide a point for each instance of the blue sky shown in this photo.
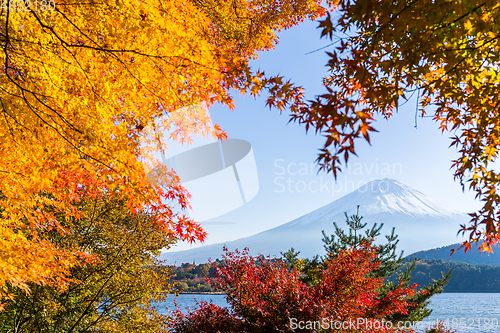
(289, 185)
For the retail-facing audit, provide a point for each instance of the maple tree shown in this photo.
(118, 291)
(390, 265)
(447, 54)
(267, 296)
(79, 83)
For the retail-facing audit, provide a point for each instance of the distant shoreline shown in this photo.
(445, 292)
(203, 292)
(470, 292)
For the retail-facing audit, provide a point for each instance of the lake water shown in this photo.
(472, 311)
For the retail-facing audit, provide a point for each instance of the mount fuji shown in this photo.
(421, 224)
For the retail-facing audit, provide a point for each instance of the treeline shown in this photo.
(465, 278)
(473, 257)
(192, 278)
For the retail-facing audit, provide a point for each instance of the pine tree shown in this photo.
(392, 266)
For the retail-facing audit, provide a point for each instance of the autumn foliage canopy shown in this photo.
(79, 83)
(447, 55)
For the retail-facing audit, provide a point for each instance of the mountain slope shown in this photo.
(473, 257)
(420, 222)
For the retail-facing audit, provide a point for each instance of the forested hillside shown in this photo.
(192, 278)
(465, 278)
(473, 257)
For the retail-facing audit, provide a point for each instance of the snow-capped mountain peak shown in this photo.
(420, 222)
(391, 196)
